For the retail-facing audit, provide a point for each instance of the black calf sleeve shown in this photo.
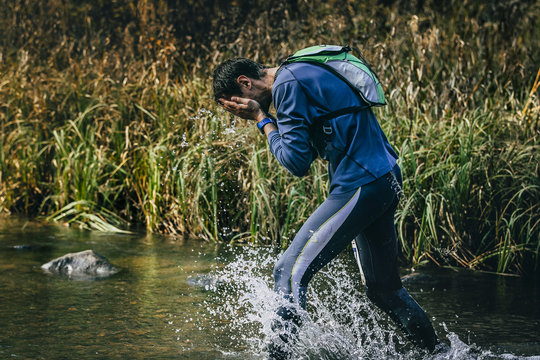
(409, 316)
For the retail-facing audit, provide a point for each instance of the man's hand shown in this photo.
(245, 108)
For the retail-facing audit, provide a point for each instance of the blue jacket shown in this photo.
(358, 151)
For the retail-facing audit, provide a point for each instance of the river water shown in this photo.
(174, 299)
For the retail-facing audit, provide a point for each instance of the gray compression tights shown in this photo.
(366, 215)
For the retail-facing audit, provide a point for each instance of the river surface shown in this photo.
(174, 299)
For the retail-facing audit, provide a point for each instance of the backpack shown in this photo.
(354, 71)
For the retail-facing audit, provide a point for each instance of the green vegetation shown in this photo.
(108, 121)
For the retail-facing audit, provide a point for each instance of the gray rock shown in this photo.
(84, 264)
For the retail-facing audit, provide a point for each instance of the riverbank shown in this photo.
(108, 120)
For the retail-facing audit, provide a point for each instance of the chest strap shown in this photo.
(323, 119)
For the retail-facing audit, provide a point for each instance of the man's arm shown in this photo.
(291, 143)
(268, 128)
(247, 109)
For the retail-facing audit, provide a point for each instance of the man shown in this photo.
(365, 181)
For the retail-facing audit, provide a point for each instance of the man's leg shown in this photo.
(326, 232)
(302, 260)
(324, 235)
(368, 211)
(377, 247)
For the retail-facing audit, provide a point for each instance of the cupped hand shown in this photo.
(245, 108)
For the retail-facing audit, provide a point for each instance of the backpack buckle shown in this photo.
(327, 129)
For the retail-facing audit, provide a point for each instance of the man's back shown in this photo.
(358, 152)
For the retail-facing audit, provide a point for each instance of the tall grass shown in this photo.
(108, 121)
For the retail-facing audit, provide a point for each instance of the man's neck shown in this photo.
(270, 73)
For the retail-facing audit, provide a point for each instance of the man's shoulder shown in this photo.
(285, 80)
(304, 72)
(284, 74)
(297, 71)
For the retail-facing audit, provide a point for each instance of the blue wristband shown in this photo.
(264, 122)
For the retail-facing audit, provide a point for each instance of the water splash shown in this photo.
(340, 322)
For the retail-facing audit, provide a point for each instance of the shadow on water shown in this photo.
(191, 300)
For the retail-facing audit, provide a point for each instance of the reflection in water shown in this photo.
(198, 301)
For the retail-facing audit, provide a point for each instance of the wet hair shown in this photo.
(227, 72)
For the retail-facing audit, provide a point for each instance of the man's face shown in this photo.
(255, 89)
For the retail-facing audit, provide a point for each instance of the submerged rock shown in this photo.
(419, 278)
(26, 247)
(85, 264)
(205, 281)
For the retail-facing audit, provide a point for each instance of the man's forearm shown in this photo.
(268, 128)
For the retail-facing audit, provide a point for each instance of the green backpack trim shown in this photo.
(354, 71)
